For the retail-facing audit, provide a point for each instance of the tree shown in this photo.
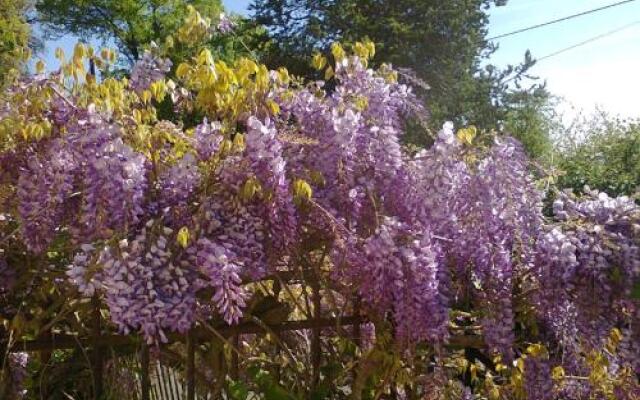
(444, 43)
(130, 24)
(601, 152)
(14, 36)
(531, 117)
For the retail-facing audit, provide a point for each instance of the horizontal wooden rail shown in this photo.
(65, 341)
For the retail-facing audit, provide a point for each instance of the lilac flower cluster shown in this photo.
(413, 236)
(484, 214)
(177, 185)
(479, 217)
(436, 198)
(225, 24)
(630, 344)
(587, 266)
(43, 187)
(264, 152)
(18, 374)
(236, 224)
(207, 139)
(216, 262)
(79, 274)
(358, 129)
(146, 285)
(402, 278)
(148, 69)
(92, 170)
(537, 377)
(504, 208)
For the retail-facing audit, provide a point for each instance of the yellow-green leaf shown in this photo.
(183, 237)
(318, 61)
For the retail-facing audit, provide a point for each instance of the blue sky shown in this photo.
(604, 73)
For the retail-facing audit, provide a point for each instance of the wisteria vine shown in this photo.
(166, 224)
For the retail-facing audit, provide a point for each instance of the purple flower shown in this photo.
(225, 24)
(148, 70)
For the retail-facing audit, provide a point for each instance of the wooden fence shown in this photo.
(100, 341)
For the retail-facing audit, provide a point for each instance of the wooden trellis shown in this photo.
(196, 335)
(99, 341)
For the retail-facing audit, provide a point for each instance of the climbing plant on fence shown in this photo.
(272, 239)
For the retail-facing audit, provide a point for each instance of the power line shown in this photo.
(555, 21)
(584, 42)
(593, 39)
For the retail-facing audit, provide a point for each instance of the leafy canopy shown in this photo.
(603, 153)
(130, 24)
(14, 36)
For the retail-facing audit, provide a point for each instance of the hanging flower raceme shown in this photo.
(218, 264)
(594, 253)
(15, 376)
(146, 282)
(264, 152)
(89, 177)
(537, 375)
(397, 271)
(147, 70)
(225, 24)
(177, 185)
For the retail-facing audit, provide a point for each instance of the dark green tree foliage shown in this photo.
(443, 42)
(248, 39)
(14, 36)
(130, 24)
(530, 117)
(603, 153)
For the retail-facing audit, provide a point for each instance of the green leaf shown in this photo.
(320, 393)
(635, 292)
(277, 392)
(238, 391)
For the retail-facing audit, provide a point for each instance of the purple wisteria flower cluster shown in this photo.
(587, 266)
(537, 375)
(13, 384)
(225, 24)
(90, 169)
(147, 70)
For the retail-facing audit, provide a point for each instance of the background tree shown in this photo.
(601, 152)
(443, 42)
(532, 117)
(14, 36)
(130, 24)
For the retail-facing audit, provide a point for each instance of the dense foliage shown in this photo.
(129, 24)
(603, 153)
(173, 223)
(533, 119)
(14, 37)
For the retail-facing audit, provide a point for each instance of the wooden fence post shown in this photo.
(357, 332)
(144, 378)
(235, 340)
(316, 351)
(98, 360)
(191, 366)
